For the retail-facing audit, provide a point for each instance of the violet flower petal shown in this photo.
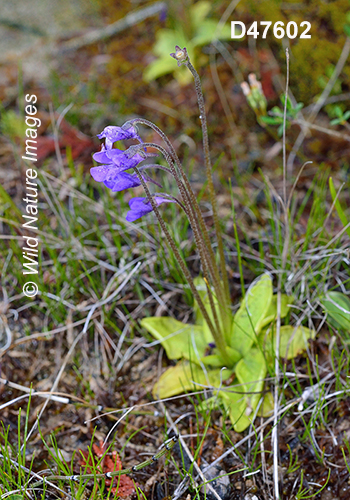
(102, 172)
(138, 208)
(122, 181)
(101, 156)
(141, 206)
(113, 134)
(121, 159)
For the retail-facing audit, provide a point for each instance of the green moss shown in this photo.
(309, 57)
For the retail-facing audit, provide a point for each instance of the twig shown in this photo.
(284, 132)
(327, 131)
(112, 29)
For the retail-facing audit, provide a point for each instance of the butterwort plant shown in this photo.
(243, 343)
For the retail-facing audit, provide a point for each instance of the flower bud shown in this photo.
(245, 89)
(180, 55)
(255, 95)
(254, 83)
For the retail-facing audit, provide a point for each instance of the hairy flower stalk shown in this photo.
(182, 57)
(202, 248)
(203, 243)
(210, 177)
(219, 340)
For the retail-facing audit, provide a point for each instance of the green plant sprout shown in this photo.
(199, 31)
(257, 101)
(225, 352)
(303, 493)
(342, 116)
(275, 116)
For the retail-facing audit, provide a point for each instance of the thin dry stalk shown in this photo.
(274, 435)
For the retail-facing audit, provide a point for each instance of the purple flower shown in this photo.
(121, 181)
(118, 158)
(116, 162)
(113, 134)
(141, 206)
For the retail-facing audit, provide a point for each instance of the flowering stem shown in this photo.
(193, 199)
(212, 193)
(207, 268)
(218, 338)
(204, 240)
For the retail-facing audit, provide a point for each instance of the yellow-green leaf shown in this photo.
(209, 31)
(236, 406)
(214, 360)
(251, 372)
(186, 376)
(159, 67)
(198, 12)
(180, 340)
(164, 46)
(267, 405)
(203, 293)
(271, 314)
(293, 341)
(241, 400)
(249, 318)
(166, 41)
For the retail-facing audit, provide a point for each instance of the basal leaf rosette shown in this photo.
(251, 347)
